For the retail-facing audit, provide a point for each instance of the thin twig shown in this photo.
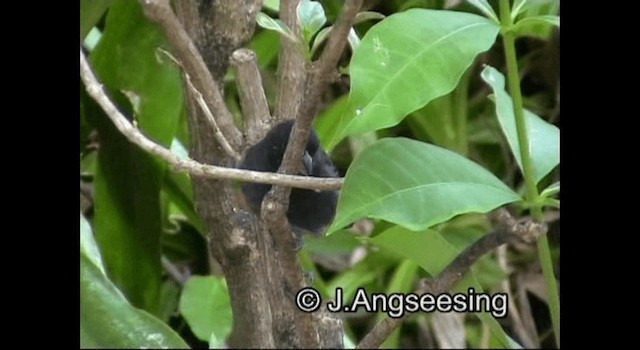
(508, 230)
(188, 165)
(528, 340)
(173, 271)
(222, 141)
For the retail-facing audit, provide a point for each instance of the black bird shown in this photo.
(309, 210)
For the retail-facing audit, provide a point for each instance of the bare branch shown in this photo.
(337, 39)
(291, 65)
(508, 230)
(186, 52)
(95, 90)
(252, 97)
(320, 79)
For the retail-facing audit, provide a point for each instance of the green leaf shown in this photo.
(536, 20)
(206, 306)
(107, 320)
(518, 6)
(402, 281)
(330, 123)
(484, 7)
(90, 13)
(128, 216)
(544, 138)
(551, 190)
(416, 185)
(543, 14)
(266, 45)
(341, 242)
(367, 15)
(431, 251)
(312, 18)
(277, 25)
(88, 245)
(273, 5)
(407, 60)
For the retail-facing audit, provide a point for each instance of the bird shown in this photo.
(310, 211)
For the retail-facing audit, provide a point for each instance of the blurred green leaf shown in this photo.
(266, 22)
(205, 305)
(407, 60)
(544, 14)
(485, 8)
(311, 17)
(90, 13)
(544, 138)
(368, 15)
(551, 190)
(128, 216)
(416, 185)
(550, 20)
(402, 281)
(266, 45)
(330, 122)
(517, 8)
(433, 253)
(341, 242)
(273, 5)
(107, 320)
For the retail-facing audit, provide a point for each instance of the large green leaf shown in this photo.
(205, 305)
(431, 251)
(128, 215)
(407, 60)
(107, 320)
(544, 138)
(416, 185)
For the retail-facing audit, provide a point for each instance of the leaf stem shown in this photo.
(544, 254)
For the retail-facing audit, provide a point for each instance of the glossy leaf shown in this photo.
(407, 60)
(544, 138)
(128, 180)
(205, 305)
(107, 320)
(416, 185)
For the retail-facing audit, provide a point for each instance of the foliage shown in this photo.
(424, 146)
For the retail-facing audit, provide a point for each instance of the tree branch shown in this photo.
(508, 231)
(253, 100)
(302, 104)
(188, 165)
(185, 51)
(291, 65)
(217, 133)
(315, 87)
